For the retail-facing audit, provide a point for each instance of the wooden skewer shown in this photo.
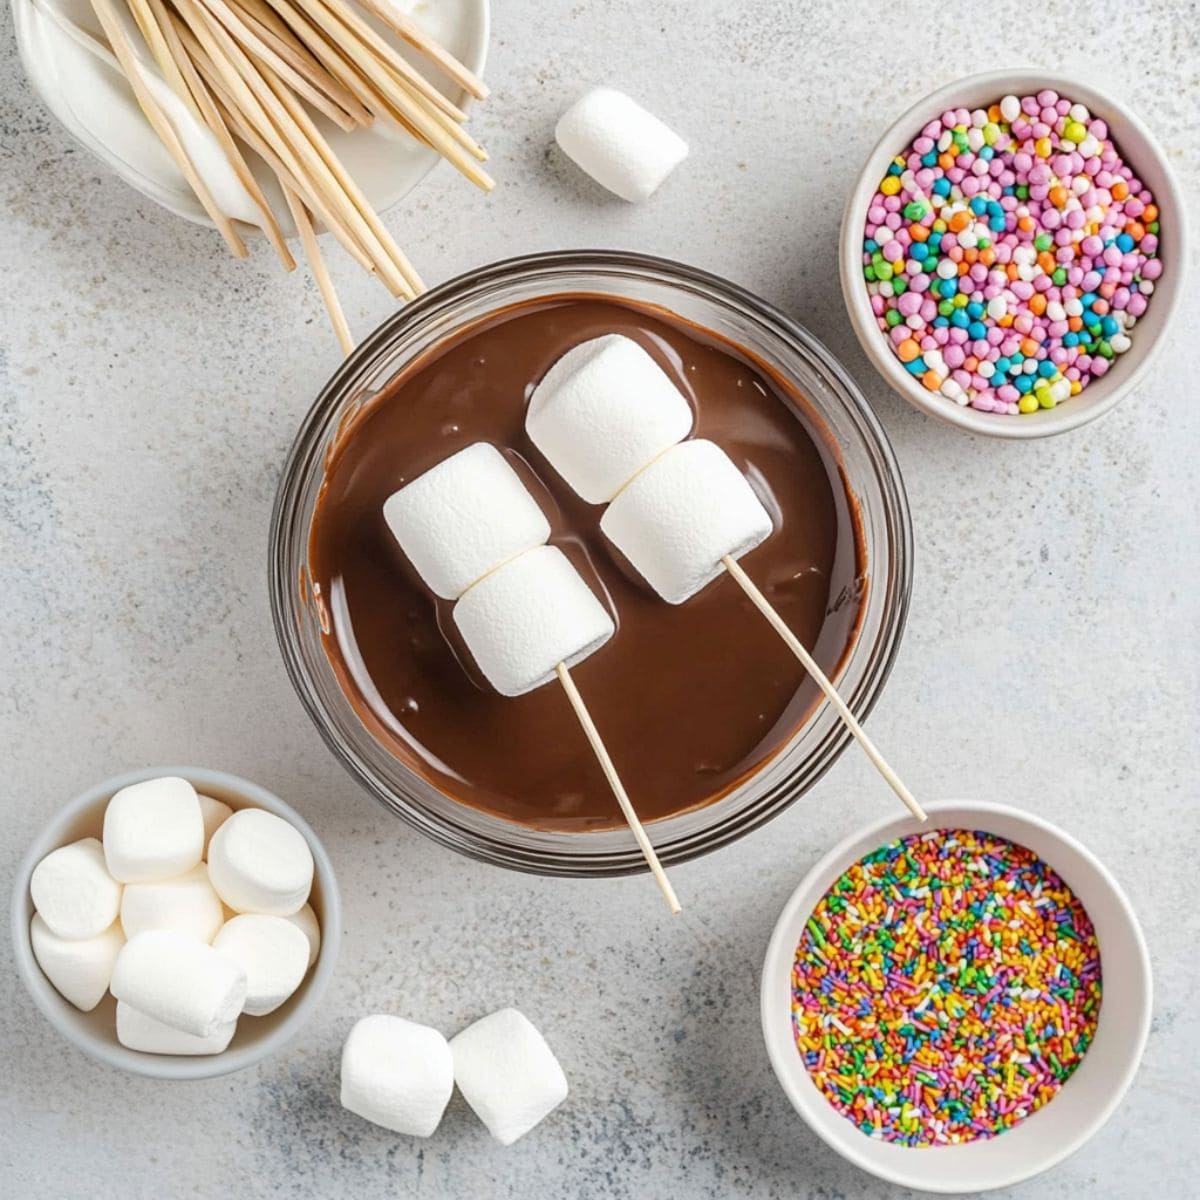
(255, 45)
(301, 59)
(308, 239)
(208, 112)
(618, 788)
(415, 36)
(156, 38)
(842, 709)
(119, 41)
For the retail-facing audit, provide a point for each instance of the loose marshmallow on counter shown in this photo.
(306, 921)
(179, 980)
(140, 1032)
(521, 621)
(463, 518)
(258, 863)
(397, 1074)
(153, 830)
(187, 903)
(274, 955)
(74, 892)
(679, 517)
(603, 412)
(79, 969)
(619, 144)
(507, 1074)
(215, 813)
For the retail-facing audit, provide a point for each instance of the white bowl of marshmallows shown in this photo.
(178, 923)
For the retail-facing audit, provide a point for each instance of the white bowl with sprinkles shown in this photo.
(1013, 253)
(978, 929)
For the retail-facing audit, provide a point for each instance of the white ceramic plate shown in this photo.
(103, 118)
(1086, 1100)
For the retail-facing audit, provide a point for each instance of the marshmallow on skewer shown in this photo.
(187, 903)
(507, 1074)
(274, 955)
(153, 830)
(463, 518)
(603, 412)
(619, 144)
(80, 969)
(73, 891)
(528, 616)
(677, 520)
(397, 1074)
(137, 1031)
(258, 863)
(179, 980)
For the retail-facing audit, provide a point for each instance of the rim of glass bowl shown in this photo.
(784, 778)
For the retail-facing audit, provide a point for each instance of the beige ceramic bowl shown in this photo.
(95, 1032)
(1137, 147)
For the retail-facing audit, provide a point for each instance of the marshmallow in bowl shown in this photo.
(528, 616)
(153, 830)
(619, 144)
(463, 518)
(81, 968)
(604, 411)
(136, 1031)
(187, 903)
(397, 1074)
(306, 921)
(179, 980)
(214, 813)
(507, 1074)
(259, 863)
(272, 952)
(73, 891)
(679, 517)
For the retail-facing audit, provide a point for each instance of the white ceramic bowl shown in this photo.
(1137, 147)
(386, 164)
(95, 1032)
(1086, 1100)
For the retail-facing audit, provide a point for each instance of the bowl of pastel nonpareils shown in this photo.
(178, 923)
(1013, 253)
(960, 1004)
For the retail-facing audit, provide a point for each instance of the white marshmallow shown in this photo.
(140, 1032)
(604, 411)
(74, 892)
(187, 903)
(619, 144)
(507, 1074)
(463, 518)
(153, 830)
(258, 863)
(677, 519)
(521, 621)
(306, 921)
(79, 969)
(179, 980)
(397, 1074)
(214, 813)
(274, 955)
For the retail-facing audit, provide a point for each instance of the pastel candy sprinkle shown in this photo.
(944, 988)
(1016, 242)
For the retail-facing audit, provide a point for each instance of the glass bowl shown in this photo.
(869, 470)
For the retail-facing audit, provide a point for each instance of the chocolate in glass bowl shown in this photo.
(691, 699)
(780, 351)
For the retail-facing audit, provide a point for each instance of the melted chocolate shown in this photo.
(690, 699)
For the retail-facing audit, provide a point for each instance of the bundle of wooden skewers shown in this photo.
(257, 72)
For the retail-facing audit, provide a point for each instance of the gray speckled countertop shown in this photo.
(149, 388)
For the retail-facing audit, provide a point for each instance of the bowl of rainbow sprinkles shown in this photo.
(1013, 253)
